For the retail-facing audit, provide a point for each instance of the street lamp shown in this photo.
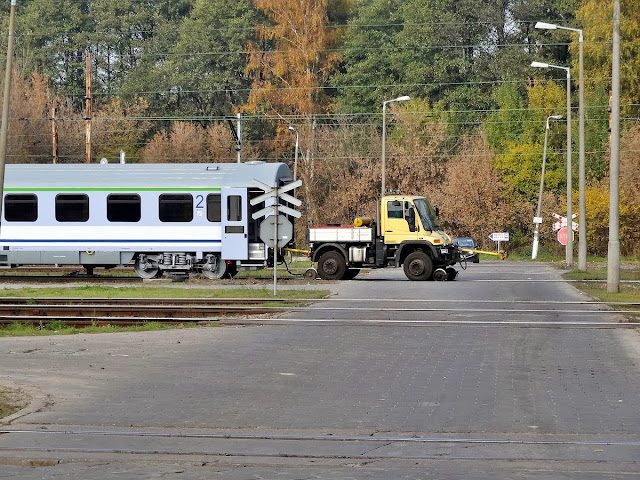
(295, 161)
(569, 248)
(404, 98)
(538, 219)
(582, 220)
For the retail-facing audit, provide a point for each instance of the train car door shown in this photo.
(235, 241)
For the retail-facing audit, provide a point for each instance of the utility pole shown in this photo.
(5, 101)
(239, 140)
(613, 254)
(54, 132)
(87, 109)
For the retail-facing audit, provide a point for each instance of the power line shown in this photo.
(341, 26)
(172, 91)
(328, 116)
(320, 157)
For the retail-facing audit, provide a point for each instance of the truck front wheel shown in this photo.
(418, 266)
(331, 266)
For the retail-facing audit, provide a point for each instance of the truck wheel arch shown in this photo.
(327, 247)
(409, 247)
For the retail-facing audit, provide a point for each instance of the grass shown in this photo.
(600, 273)
(100, 291)
(58, 328)
(296, 267)
(557, 255)
(629, 292)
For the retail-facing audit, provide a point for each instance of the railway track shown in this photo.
(125, 445)
(250, 311)
(71, 278)
(126, 311)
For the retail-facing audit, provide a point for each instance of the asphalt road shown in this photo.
(504, 373)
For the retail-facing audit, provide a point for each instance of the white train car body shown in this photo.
(163, 217)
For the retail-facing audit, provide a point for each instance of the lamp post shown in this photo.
(569, 248)
(538, 219)
(404, 98)
(295, 161)
(582, 220)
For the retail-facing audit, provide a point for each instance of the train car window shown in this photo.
(123, 207)
(72, 208)
(176, 207)
(20, 207)
(234, 208)
(214, 207)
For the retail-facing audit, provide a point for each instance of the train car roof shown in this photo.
(143, 175)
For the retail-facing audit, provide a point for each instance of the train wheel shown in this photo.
(146, 268)
(215, 269)
(331, 266)
(418, 266)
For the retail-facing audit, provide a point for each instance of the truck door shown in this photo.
(400, 224)
(235, 241)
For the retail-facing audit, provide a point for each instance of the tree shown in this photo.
(207, 64)
(52, 41)
(517, 130)
(371, 64)
(447, 52)
(596, 18)
(292, 59)
(471, 202)
(119, 127)
(188, 142)
(119, 32)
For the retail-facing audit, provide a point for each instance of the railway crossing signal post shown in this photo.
(281, 236)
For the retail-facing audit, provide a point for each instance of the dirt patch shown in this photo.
(12, 400)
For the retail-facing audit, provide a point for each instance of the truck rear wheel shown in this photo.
(331, 266)
(418, 266)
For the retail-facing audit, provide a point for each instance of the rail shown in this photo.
(136, 311)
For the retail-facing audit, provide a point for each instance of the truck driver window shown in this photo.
(394, 209)
(176, 207)
(72, 208)
(234, 208)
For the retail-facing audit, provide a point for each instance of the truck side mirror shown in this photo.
(437, 211)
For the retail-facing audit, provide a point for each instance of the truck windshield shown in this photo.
(427, 214)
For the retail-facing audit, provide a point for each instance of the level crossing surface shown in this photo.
(501, 379)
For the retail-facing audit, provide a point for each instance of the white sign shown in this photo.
(562, 222)
(499, 236)
(275, 193)
(281, 236)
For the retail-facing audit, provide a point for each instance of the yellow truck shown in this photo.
(405, 232)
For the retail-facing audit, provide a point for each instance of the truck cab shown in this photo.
(407, 218)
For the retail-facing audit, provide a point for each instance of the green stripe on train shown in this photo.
(115, 189)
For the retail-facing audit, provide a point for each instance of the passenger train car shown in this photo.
(161, 217)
